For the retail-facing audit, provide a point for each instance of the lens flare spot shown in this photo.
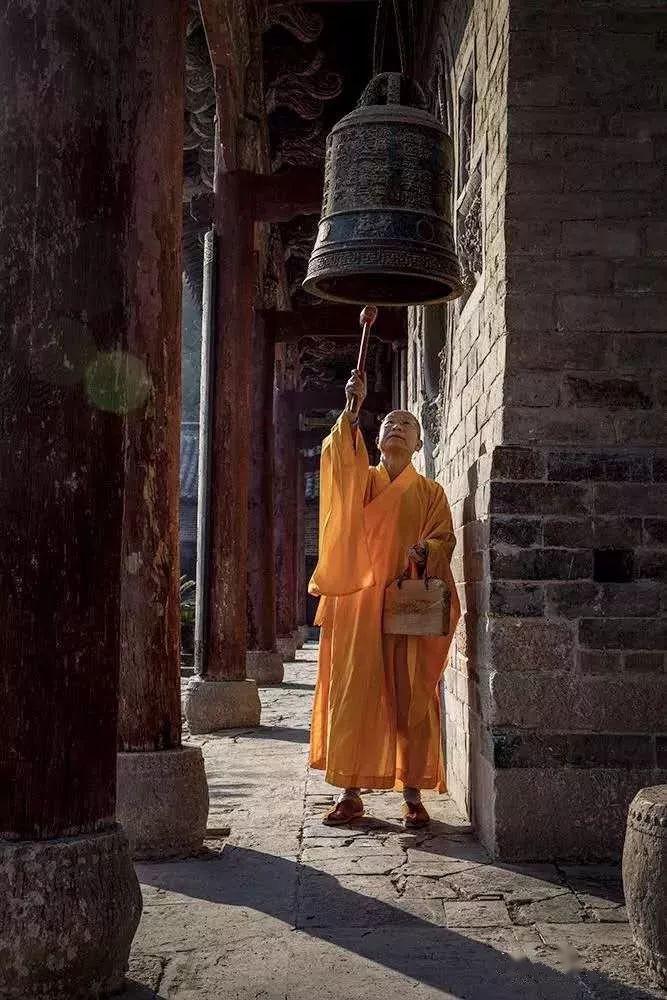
(117, 382)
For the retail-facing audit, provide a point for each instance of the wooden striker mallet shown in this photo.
(368, 316)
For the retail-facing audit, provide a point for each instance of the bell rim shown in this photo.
(455, 282)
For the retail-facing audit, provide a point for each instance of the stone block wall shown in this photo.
(575, 644)
(553, 451)
(578, 697)
(463, 421)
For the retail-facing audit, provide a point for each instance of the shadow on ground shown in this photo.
(288, 733)
(463, 965)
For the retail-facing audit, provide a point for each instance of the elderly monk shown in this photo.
(376, 716)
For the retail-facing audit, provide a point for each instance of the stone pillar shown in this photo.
(220, 696)
(70, 898)
(263, 662)
(285, 515)
(162, 795)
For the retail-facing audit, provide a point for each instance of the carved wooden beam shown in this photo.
(332, 322)
(332, 399)
(304, 88)
(281, 197)
(297, 3)
(303, 24)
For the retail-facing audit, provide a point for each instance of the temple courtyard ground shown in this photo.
(284, 907)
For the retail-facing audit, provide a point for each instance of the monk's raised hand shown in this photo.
(356, 388)
(418, 554)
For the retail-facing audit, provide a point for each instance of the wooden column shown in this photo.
(161, 788)
(222, 633)
(65, 314)
(263, 662)
(285, 517)
(150, 709)
(225, 659)
(301, 582)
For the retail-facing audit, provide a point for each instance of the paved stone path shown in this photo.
(287, 909)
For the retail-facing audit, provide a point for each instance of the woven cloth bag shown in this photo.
(418, 606)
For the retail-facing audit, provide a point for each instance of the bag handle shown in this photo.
(409, 572)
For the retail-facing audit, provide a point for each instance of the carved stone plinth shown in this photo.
(162, 801)
(70, 908)
(214, 705)
(286, 646)
(645, 878)
(265, 667)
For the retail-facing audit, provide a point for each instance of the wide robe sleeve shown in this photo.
(439, 534)
(344, 564)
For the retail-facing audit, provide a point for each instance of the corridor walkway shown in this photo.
(285, 908)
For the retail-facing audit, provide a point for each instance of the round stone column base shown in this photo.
(645, 876)
(286, 647)
(298, 638)
(265, 667)
(214, 705)
(304, 634)
(162, 801)
(70, 908)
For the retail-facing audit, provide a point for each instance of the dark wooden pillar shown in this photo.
(301, 582)
(285, 514)
(150, 708)
(65, 384)
(220, 696)
(264, 664)
(162, 793)
(225, 659)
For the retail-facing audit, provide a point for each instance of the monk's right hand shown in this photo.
(355, 389)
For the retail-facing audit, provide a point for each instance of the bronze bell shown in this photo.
(385, 235)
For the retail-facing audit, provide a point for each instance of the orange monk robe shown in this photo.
(376, 716)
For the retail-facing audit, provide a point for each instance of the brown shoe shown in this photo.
(415, 816)
(345, 811)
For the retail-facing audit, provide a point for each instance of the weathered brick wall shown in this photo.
(465, 418)
(552, 424)
(578, 695)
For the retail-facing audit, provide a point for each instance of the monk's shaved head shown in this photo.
(405, 413)
(400, 431)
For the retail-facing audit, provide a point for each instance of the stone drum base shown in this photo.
(70, 908)
(162, 801)
(286, 646)
(264, 667)
(645, 878)
(214, 705)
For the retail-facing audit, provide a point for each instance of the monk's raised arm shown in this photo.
(344, 565)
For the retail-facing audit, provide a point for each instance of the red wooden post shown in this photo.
(301, 582)
(264, 663)
(285, 515)
(162, 796)
(68, 889)
(221, 697)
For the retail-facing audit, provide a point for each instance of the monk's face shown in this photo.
(400, 432)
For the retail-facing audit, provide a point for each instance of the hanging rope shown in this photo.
(405, 35)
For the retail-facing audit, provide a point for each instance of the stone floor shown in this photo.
(287, 908)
